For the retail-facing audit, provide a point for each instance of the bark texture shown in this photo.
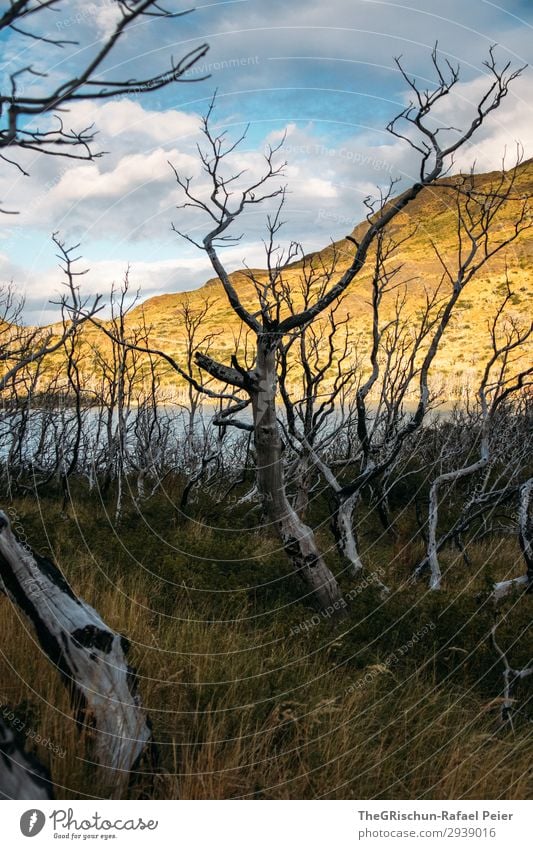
(525, 537)
(90, 657)
(345, 534)
(297, 538)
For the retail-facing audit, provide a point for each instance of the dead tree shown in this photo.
(403, 352)
(259, 384)
(511, 678)
(498, 384)
(28, 385)
(525, 523)
(227, 198)
(126, 433)
(21, 348)
(485, 500)
(34, 21)
(525, 536)
(200, 455)
(151, 456)
(196, 336)
(89, 656)
(379, 392)
(69, 449)
(130, 434)
(317, 375)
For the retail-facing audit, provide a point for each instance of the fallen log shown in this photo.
(90, 657)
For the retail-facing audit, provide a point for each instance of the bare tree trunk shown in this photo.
(21, 774)
(90, 657)
(298, 539)
(303, 475)
(525, 524)
(343, 527)
(432, 549)
(525, 537)
(345, 534)
(511, 678)
(433, 514)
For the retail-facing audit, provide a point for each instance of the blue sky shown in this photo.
(322, 72)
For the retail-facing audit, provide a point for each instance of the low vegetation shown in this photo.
(254, 694)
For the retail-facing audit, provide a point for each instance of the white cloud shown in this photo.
(154, 277)
(510, 124)
(132, 171)
(132, 195)
(129, 123)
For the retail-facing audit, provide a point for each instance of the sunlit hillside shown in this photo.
(430, 220)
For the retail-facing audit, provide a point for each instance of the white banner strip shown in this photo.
(269, 824)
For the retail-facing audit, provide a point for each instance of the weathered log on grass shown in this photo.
(21, 774)
(90, 657)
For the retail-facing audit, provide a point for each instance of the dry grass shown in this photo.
(245, 703)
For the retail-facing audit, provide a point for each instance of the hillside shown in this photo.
(430, 217)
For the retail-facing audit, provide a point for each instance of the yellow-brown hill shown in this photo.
(432, 217)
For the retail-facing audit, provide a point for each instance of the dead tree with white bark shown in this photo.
(512, 677)
(225, 200)
(376, 413)
(525, 536)
(317, 373)
(505, 374)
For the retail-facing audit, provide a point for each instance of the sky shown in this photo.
(319, 74)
